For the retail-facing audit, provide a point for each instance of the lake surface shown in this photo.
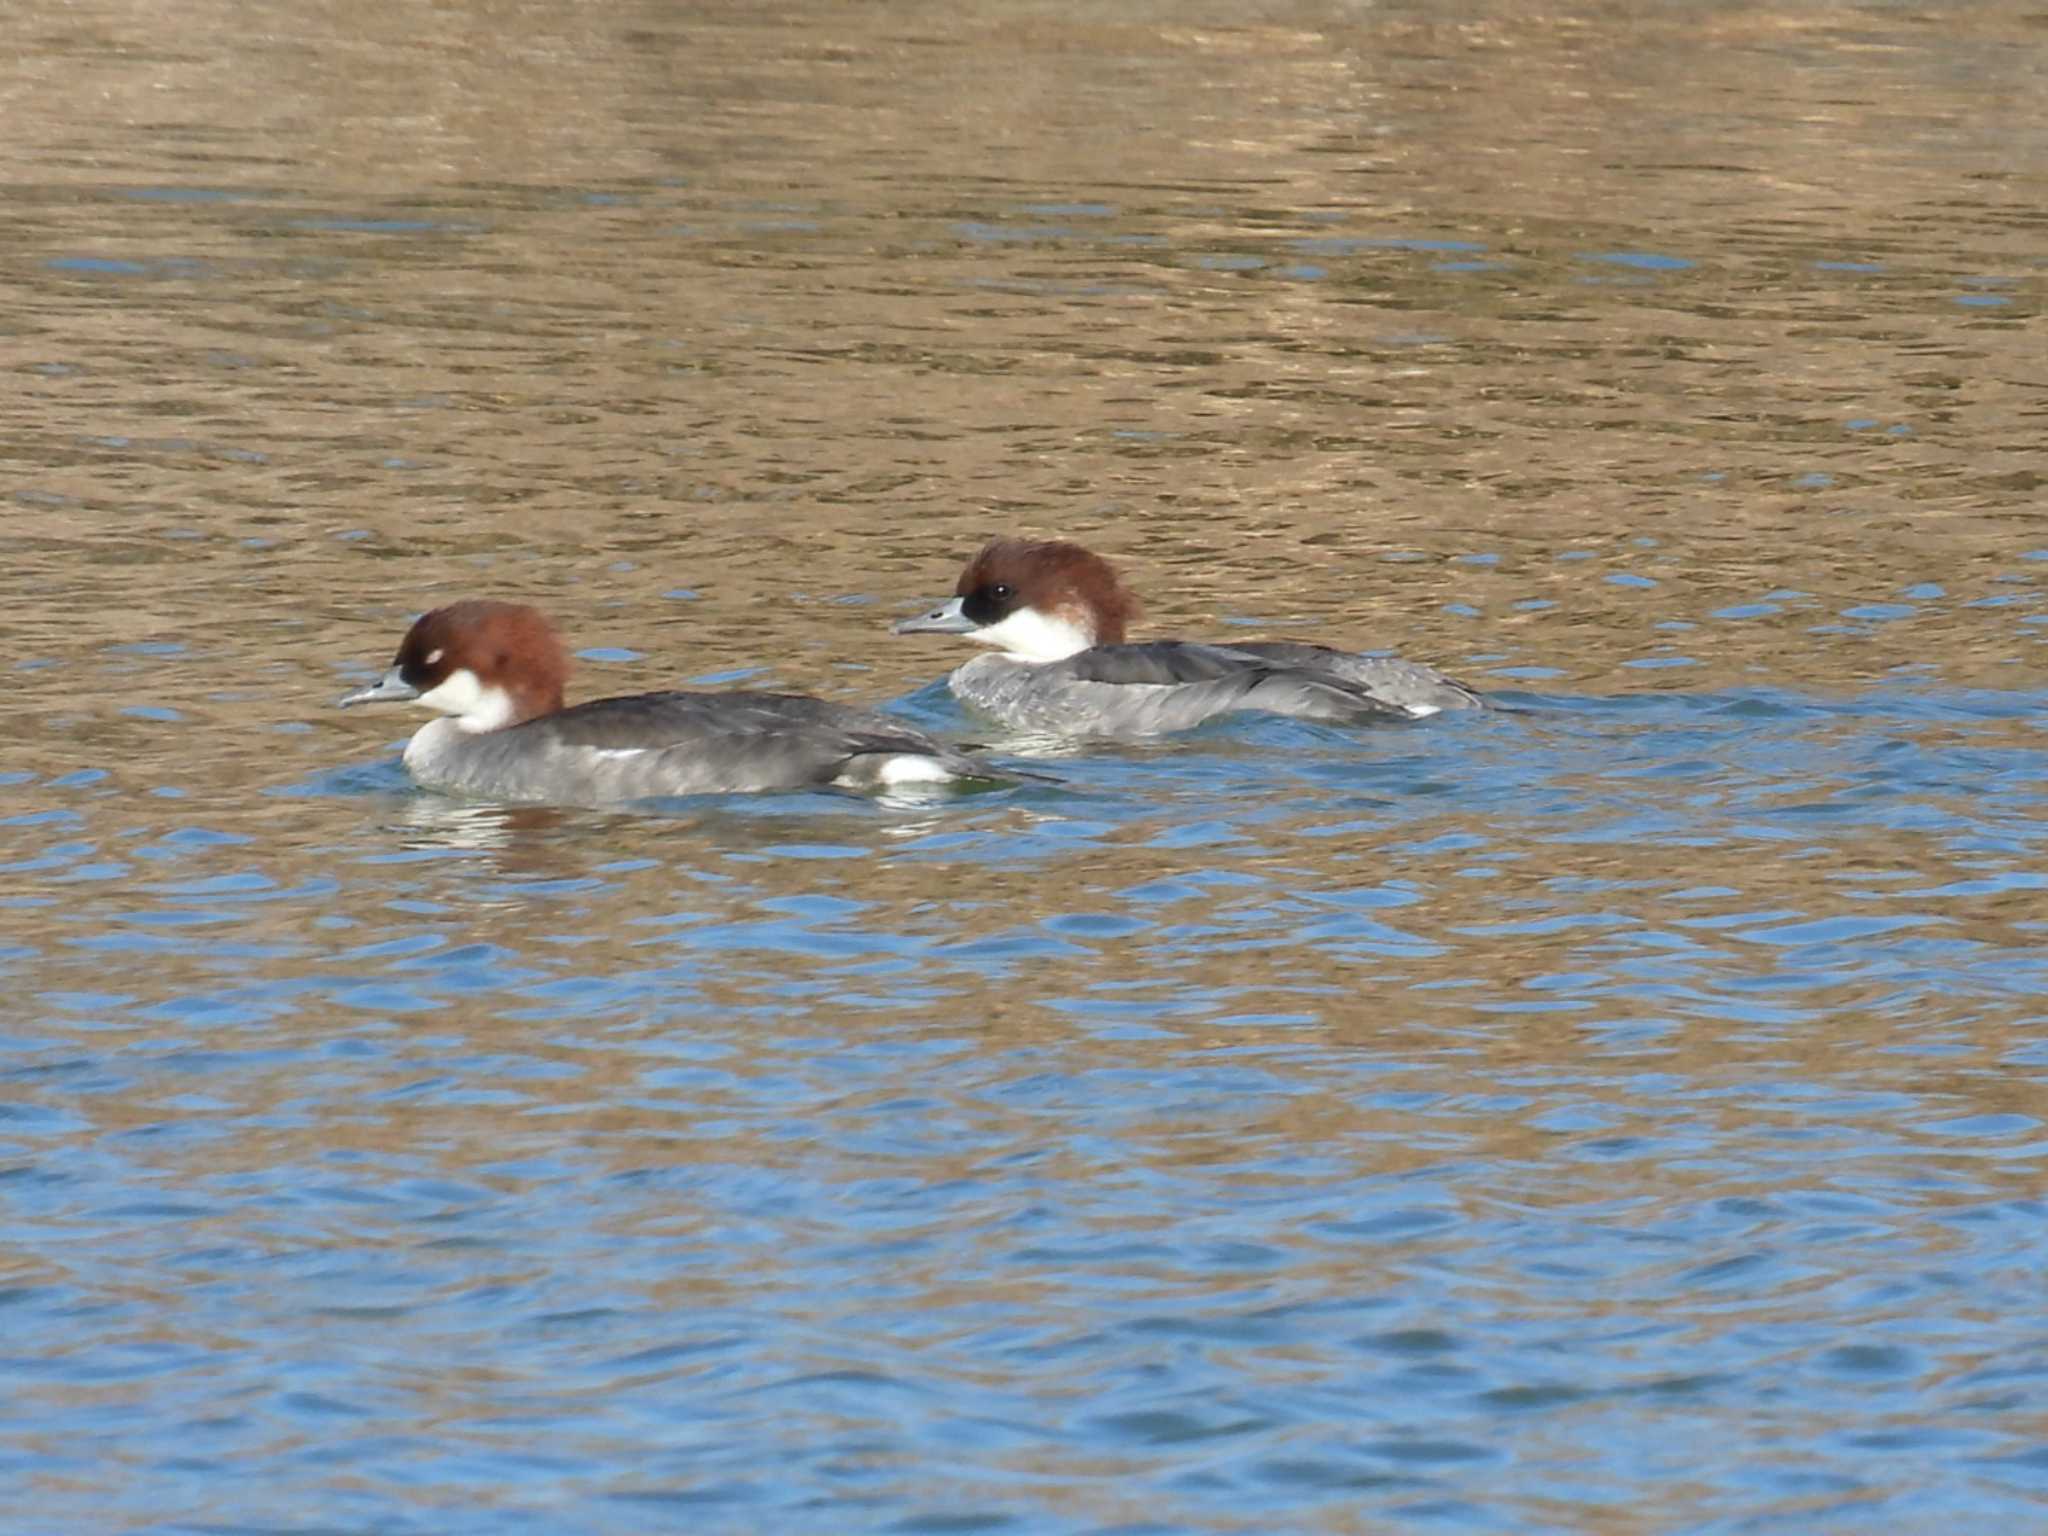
(1621, 1113)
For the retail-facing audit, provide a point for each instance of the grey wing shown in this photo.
(1170, 685)
(751, 740)
(864, 733)
(1408, 685)
(1161, 662)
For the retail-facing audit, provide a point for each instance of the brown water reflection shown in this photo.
(1627, 1103)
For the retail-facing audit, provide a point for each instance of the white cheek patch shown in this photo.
(474, 706)
(1030, 635)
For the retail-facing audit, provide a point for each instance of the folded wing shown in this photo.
(681, 743)
(1170, 685)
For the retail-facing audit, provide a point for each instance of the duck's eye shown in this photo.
(1002, 591)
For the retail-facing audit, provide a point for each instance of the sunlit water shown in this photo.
(1621, 1112)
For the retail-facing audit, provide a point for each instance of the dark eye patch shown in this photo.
(990, 603)
(414, 664)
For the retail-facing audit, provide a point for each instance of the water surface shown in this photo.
(1620, 1113)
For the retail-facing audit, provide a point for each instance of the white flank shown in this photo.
(907, 768)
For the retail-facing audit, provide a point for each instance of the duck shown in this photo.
(495, 672)
(1055, 615)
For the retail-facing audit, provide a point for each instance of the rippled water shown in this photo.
(1620, 1113)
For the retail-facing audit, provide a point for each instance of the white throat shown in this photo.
(475, 706)
(1029, 635)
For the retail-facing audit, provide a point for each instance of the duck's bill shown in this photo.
(390, 687)
(946, 619)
